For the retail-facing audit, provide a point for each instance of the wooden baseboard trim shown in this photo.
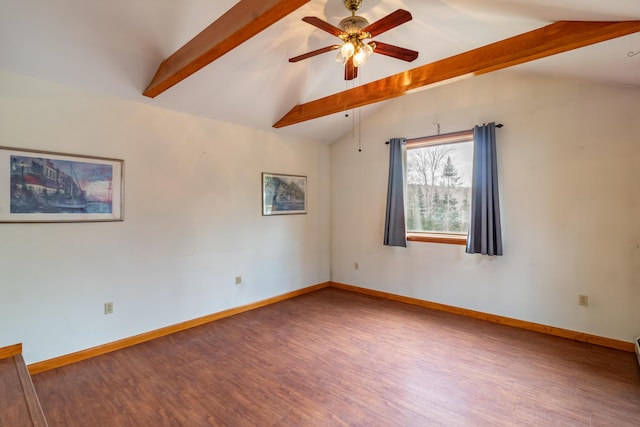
(68, 359)
(522, 324)
(78, 356)
(11, 350)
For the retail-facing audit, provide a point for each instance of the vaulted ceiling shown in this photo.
(115, 48)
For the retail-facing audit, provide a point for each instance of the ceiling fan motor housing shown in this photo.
(353, 24)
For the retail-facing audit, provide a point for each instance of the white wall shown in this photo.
(569, 172)
(192, 222)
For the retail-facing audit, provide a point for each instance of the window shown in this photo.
(439, 187)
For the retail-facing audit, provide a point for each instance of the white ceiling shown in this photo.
(115, 47)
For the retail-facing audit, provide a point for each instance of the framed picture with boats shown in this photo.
(42, 186)
(283, 194)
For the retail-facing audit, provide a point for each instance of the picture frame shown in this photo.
(44, 186)
(283, 194)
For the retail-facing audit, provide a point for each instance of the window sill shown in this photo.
(451, 239)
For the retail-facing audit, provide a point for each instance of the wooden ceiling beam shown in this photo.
(550, 40)
(243, 21)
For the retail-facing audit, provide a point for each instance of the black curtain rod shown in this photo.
(499, 125)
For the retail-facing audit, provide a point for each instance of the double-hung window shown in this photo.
(438, 193)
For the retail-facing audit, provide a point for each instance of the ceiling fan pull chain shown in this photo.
(360, 120)
(353, 126)
(353, 114)
(346, 88)
(359, 129)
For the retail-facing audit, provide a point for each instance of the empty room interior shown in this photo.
(319, 212)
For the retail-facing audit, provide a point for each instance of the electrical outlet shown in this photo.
(238, 280)
(108, 308)
(583, 300)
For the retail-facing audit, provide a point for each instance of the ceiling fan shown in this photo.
(354, 31)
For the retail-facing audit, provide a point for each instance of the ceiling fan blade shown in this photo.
(323, 25)
(394, 51)
(314, 53)
(350, 71)
(390, 21)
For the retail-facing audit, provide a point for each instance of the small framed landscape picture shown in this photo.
(284, 194)
(41, 186)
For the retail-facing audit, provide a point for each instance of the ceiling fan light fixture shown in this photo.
(362, 53)
(360, 56)
(347, 50)
(353, 36)
(368, 49)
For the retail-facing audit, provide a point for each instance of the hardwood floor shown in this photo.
(336, 358)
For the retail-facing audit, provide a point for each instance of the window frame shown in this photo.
(444, 139)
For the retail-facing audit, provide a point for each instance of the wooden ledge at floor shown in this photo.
(19, 405)
(137, 339)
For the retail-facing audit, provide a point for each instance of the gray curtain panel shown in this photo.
(395, 230)
(485, 235)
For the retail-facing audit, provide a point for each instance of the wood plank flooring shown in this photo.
(336, 358)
